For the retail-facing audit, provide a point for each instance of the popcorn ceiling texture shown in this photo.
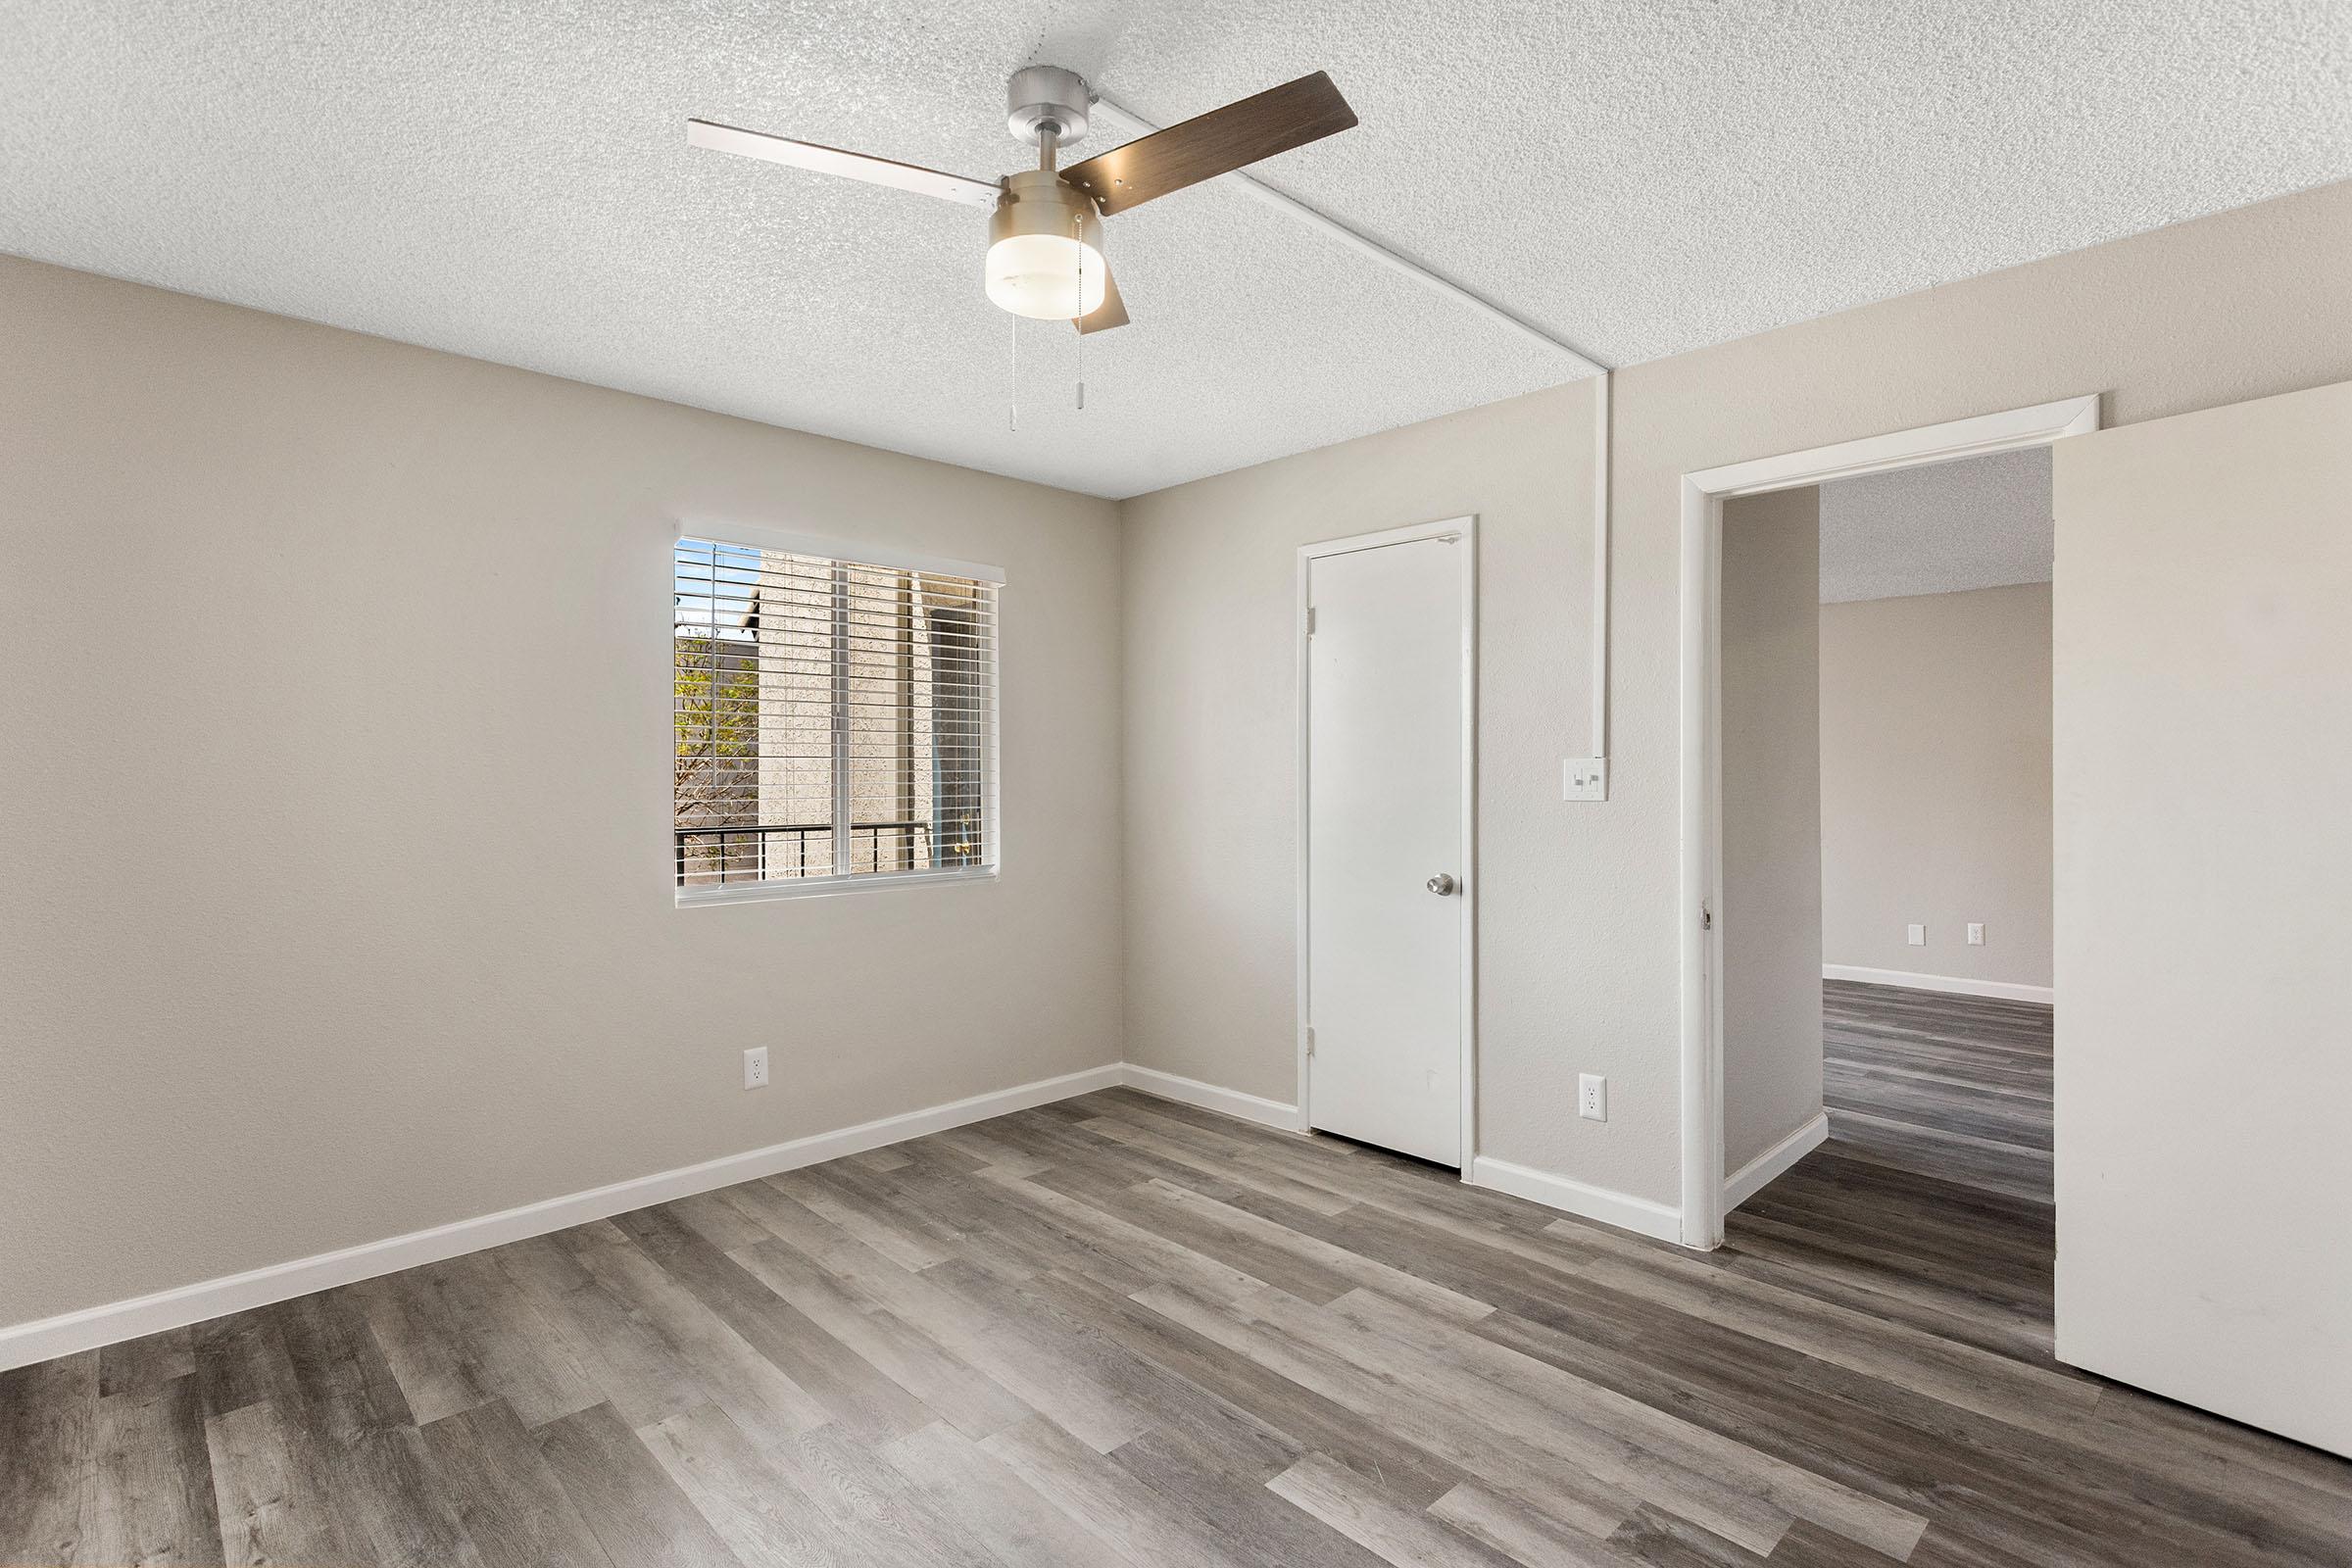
(1981, 522)
(510, 180)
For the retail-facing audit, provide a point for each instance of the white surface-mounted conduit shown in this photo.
(1600, 564)
(1122, 122)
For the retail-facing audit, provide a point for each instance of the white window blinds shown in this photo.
(835, 719)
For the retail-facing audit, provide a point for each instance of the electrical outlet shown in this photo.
(1916, 935)
(1592, 1097)
(1585, 778)
(1975, 933)
(755, 1067)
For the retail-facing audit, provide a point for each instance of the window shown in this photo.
(835, 717)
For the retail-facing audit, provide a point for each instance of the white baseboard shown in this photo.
(1753, 1178)
(1208, 1096)
(1621, 1209)
(2001, 989)
(43, 1339)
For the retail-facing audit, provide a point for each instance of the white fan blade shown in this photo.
(833, 161)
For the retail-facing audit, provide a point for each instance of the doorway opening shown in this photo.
(1789, 499)
(1936, 850)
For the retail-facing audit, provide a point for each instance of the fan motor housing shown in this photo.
(1043, 95)
(1038, 201)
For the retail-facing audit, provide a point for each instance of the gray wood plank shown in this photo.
(756, 1394)
(49, 1459)
(990, 1503)
(431, 1359)
(853, 1393)
(270, 1494)
(1523, 1535)
(975, 1404)
(139, 1366)
(517, 1351)
(358, 1428)
(155, 1497)
(1251, 1523)
(1406, 1536)
(628, 1501)
(1130, 1519)
(624, 1357)
(505, 1495)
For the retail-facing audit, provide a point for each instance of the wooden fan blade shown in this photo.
(1215, 143)
(1112, 312)
(833, 161)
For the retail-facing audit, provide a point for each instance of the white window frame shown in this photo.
(889, 558)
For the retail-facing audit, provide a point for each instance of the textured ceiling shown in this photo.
(510, 180)
(1981, 522)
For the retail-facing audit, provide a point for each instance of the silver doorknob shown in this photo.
(1442, 884)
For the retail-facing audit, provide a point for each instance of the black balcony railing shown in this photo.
(767, 852)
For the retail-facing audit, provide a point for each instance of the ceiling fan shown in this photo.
(1045, 227)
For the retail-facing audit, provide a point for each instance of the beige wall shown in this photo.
(1935, 783)
(1212, 733)
(1771, 723)
(259, 576)
(1580, 917)
(335, 900)
(2204, 735)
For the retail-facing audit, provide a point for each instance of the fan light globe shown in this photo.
(1045, 254)
(1052, 277)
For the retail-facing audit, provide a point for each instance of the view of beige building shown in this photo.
(812, 691)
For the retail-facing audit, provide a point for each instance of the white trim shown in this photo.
(1463, 530)
(1956, 985)
(1581, 1198)
(856, 552)
(1704, 492)
(1753, 1178)
(44, 1338)
(1131, 126)
(811, 887)
(1209, 1097)
(2034, 426)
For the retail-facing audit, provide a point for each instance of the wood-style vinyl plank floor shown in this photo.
(1118, 1331)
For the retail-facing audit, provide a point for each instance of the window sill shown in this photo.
(817, 887)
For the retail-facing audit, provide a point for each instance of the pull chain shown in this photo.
(1013, 391)
(1078, 230)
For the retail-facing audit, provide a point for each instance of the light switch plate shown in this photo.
(1585, 778)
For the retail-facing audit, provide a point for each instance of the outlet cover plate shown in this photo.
(1585, 778)
(1592, 1097)
(755, 1067)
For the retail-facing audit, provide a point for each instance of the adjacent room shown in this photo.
(1936, 857)
(1533, 785)
(1886, 723)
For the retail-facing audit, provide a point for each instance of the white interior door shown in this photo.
(2203, 741)
(1385, 962)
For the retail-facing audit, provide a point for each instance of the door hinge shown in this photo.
(1706, 917)
(1310, 620)
(1310, 1040)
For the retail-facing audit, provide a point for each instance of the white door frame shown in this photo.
(1704, 492)
(1463, 531)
